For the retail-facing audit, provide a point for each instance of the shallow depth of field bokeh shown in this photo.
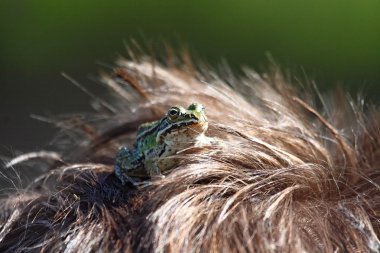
(334, 42)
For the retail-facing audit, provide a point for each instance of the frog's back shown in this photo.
(145, 127)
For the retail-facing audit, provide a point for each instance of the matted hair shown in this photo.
(299, 172)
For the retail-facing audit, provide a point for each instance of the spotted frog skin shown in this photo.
(180, 128)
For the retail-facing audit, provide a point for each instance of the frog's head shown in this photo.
(184, 124)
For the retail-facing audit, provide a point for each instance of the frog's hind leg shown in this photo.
(125, 160)
(119, 174)
(154, 170)
(124, 178)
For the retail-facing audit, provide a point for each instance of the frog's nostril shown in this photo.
(194, 117)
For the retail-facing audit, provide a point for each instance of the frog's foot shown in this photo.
(142, 183)
(157, 177)
(137, 183)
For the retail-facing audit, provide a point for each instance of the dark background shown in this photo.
(335, 42)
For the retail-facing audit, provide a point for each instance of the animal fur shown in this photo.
(299, 171)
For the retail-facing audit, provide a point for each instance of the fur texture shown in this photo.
(299, 171)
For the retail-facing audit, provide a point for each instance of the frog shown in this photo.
(155, 143)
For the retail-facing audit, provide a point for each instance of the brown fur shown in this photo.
(291, 177)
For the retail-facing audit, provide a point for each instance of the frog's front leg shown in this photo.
(151, 165)
(152, 169)
(124, 178)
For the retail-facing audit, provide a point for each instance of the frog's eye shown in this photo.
(173, 113)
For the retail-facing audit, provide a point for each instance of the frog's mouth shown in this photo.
(192, 126)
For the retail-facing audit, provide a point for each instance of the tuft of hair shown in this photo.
(299, 172)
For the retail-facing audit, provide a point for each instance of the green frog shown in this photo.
(156, 141)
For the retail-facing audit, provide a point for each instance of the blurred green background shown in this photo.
(333, 41)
